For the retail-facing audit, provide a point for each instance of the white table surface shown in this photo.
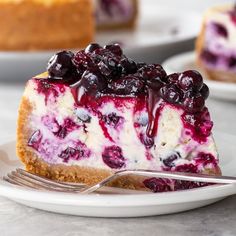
(215, 220)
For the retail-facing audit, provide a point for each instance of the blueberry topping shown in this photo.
(100, 71)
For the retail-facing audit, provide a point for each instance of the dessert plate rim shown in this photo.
(186, 60)
(75, 204)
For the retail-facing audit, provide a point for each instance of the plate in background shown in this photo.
(186, 61)
(158, 29)
(122, 205)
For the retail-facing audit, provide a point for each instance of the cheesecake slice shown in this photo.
(216, 44)
(116, 14)
(45, 24)
(96, 112)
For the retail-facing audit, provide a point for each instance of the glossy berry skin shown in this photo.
(128, 85)
(92, 47)
(92, 81)
(171, 93)
(191, 79)
(60, 64)
(115, 49)
(194, 104)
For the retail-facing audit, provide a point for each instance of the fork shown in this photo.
(26, 179)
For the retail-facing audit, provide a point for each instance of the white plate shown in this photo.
(186, 61)
(125, 205)
(157, 26)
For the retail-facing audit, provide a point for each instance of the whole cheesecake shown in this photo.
(96, 112)
(46, 24)
(216, 44)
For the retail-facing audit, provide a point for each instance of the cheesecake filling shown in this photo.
(219, 50)
(112, 135)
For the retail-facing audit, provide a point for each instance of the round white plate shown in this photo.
(186, 61)
(122, 205)
(157, 27)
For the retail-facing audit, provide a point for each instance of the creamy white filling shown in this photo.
(170, 136)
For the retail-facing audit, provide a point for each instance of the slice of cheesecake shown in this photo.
(216, 44)
(96, 112)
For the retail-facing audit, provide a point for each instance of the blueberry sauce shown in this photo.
(97, 72)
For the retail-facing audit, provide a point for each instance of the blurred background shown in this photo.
(164, 28)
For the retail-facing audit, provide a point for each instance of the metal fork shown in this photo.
(26, 179)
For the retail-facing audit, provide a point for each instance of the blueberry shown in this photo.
(188, 168)
(204, 91)
(153, 72)
(157, 185)
(127, 85)
(129, 66)
(92, 47)
(191, 79)
(60, 64)
(111, 119)
(35, 140)
(113, 157)
(220, 30)
(83, 115)
(70, 153)
(141, 65)
(115, 49)
(169, 161)
(147, 141)
(194, 104)
(173, 78)
(82, 61)
(171, 93)
(93, 81)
